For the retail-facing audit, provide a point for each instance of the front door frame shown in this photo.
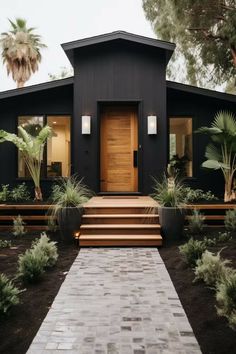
(138, 105)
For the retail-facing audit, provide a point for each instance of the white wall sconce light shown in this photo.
(152, 125)
(86, 125)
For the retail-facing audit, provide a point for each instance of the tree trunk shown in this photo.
(38, 194)
(229, 193)
(20, 84)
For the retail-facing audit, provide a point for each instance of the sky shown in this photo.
(60, 21)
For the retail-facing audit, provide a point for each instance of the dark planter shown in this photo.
(172, 222)
(69, 221)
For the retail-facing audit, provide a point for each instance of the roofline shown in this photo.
(37, 87)
(118, 35)
(200, 91)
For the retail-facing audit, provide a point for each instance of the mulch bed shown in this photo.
(18, 329)
(212, 332)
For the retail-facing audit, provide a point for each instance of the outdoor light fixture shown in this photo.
(152, 125)
(86, 125)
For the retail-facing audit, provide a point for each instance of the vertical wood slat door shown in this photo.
(119, 140)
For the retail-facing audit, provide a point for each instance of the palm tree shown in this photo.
(31, 148)
(221, 152)
(21, 51)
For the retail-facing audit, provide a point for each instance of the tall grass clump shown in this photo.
(9, 294)
(168, 192)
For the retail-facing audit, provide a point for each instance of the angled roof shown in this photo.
(117, 35)
(201, 91)
(37, 87)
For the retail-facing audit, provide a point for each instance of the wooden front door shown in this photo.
(119, 146)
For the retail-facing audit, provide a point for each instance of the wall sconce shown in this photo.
(152, 125)
(86, 125)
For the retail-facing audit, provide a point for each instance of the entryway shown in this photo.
(119, 149)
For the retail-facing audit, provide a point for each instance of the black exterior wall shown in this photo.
(119, 73)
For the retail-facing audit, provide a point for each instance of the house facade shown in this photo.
(117, 122)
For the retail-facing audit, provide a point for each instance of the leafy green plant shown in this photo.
(192, 251)
(20, 193)
(31, 266)
(196, 222)
(5, 193)
(168, 192)
(196, 195)
(18, 226)
(226, 299)
(5, 244)
(221, 152)
(47, 247)
(224, 237)
(211, 268)
(9, 294)
(230, 220)
(31, 149)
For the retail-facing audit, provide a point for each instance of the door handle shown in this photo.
(135, 158)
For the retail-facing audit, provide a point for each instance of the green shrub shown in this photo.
(224, 237)
(226, 299)
(211, 268)
(230, 220)
(31, 265)
(192, 251)
(20, 193)
(196, 195)
(196, 222)
(47, 248)
(18, 226)
(9, 294)
(168, 192)
(5, 193)
(5, 244)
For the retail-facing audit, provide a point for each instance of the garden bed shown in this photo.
(212, 332)
(18, 329)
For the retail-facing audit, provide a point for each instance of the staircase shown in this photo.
(120, 221)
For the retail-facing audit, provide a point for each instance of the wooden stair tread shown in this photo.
(210, 206)
(120, 237)
(120, 216)
(24, 206)
(119, 226)
(210, 217)
(25, 217)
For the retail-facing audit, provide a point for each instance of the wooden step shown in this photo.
(27, 227)
(210, 217)
(120, 219)
(119, 209)
(120, 240)
(25, 217)
(114, 229)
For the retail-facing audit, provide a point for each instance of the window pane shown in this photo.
(58, 147)
(33, 125)
(180, 149)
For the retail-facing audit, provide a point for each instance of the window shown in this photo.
(56, 160)
(180, 145)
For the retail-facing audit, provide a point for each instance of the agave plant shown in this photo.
(21, 51)
(31, 149)
(221, 152)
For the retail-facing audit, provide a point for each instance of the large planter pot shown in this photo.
(69, 221)
(172, 222)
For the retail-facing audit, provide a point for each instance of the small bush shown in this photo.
(31, 265)
(18, 226)
(224, 237)
(9, 294)
(20, 193)
(230, 220)
(196, 195)
(196, 222)
(5, 193)
(211, 268)
(47, 248)
(226, 299)
(5, 244)
(192, 251)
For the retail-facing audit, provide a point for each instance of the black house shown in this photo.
(117, 122)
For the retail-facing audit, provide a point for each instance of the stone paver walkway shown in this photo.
(116, 301)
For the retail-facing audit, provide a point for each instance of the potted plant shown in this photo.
(170, 195)
(68, 198)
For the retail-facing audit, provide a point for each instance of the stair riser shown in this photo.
(124, 231)
(97, 220)
(116, 210)
(119, 243)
